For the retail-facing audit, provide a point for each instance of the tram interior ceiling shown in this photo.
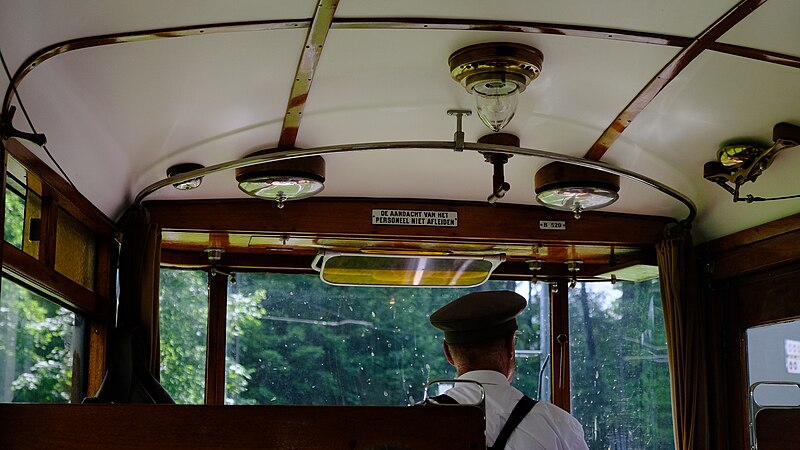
(561, 149)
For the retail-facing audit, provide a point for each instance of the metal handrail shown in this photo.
(754, 408)
(285, 154)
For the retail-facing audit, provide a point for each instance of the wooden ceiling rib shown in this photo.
(309, 58)
(669, 73)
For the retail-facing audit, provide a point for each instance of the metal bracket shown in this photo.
(458, 136)
(8, 131)
(499, 184)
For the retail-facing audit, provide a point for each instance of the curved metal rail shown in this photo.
(280, 155)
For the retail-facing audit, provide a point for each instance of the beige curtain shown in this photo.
(140, 258)
(684, 318)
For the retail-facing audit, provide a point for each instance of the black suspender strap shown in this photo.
(444, 399)
(523, 407)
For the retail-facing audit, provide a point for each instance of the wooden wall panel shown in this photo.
(752, 281)
(237, 427)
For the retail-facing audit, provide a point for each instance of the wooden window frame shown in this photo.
(97, 305)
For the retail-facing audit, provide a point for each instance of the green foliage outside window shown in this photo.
(292, 339)
(36, 347)
(184, 318)
(14, 218)
(618, 358)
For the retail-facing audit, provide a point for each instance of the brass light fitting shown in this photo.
(495, 73)
(569, 187)
(291, 179)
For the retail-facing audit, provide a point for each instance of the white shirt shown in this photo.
(545, 427)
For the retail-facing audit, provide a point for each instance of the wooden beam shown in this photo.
(701, 43)
(477, 222)
(216, 338)
(47, 279)
(559, 344)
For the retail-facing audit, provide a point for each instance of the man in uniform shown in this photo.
(479, 337)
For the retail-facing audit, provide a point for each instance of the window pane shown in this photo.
(15, 203)
(184, 324)
(39, 341)
(14, 219)
(292, 339)
(618, 358)
(773, 354)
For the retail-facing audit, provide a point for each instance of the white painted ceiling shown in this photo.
(117, 116)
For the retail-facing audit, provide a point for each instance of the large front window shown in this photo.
(295, 340)
(291, 339)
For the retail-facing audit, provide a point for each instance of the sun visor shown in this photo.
(361, 269)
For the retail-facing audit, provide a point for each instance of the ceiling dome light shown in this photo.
(567, 187)
(495, 74)
(291, 179)
(189, 184)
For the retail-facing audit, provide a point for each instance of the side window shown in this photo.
(40, 346)
(619, 370)
(773, 363)
(184, 323)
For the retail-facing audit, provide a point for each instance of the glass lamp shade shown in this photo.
(291, 179)
(281, 187)
(567, 187)
(496, 103)
(182, 168)
(189, 184)
(577, 198)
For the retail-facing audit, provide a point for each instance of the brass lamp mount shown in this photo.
(737, 164)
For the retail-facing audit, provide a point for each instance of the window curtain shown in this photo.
(684, 317)
(140, 258)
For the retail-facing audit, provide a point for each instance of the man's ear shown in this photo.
(447, 354)
(511, 343)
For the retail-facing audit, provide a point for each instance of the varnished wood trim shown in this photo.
(669, 73)
(754, 234)
(215, 348)
(559, 344)
(741, 303)
(758, 256)
(274, 427)
(49, 224)
(294, 262)
(98, 344)
(48, 280)
(479, 222)
(759, 55)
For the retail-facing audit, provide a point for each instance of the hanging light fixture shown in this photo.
(291, 179)
(568, 187)
(182, 168)
(495, 74)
